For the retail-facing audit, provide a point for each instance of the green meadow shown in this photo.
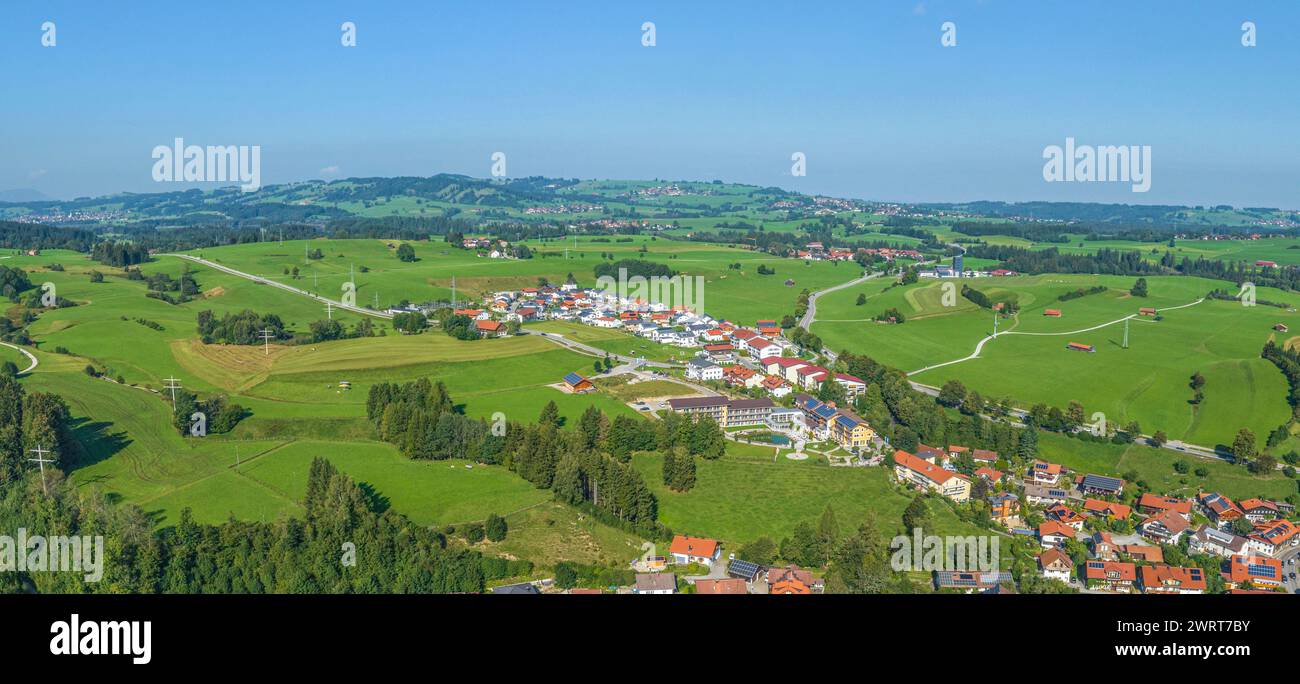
(1147, 382)
(736, 294)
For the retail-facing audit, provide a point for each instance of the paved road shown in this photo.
(595, 351)
(810, 315)
(1173, 444)
(288, 288)
(30, 357)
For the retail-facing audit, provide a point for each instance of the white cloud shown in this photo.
(332, 169)
(36, 174)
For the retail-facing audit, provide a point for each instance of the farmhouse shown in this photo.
(1146, 311)
(577, 384)
(1280, 327)
(686, 550)
(1054, 313)
(490, 328)
(1079, 346)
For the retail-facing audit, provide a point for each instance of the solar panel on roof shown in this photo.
(572, 378)
(742, 568)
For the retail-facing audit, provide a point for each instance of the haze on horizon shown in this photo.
(880, 108)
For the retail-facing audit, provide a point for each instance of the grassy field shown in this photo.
(739, 500)
(1155, 467)
(614, 341)
(741, 295)
(1146, 382)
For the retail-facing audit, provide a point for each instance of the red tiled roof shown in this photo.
(693, 546)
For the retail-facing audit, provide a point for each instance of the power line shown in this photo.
(173, 384)
(40, 452)
(266, 336)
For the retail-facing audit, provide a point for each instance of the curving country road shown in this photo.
(810, 316)
(980, 345)
(29, 355)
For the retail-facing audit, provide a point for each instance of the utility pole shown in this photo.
(995, 324)
(329, 309)
(453, 292)
(40, 452)
(266, 335)
(173, 384)
(1126, 333)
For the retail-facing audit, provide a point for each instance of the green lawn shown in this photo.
(1146, 382)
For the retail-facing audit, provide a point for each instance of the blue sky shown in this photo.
(731, 89)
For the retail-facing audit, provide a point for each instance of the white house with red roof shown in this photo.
(686, 549)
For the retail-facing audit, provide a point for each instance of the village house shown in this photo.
(1066, 516)
(1044, 473)
(1114, 511)
(1040, 495)
(703, 369)
(1219, 509)
(1052, 534)
(1055, 564)
(1103, 547)
(1256, 571)
(1210, 540)
(655, 583)
(490, 328)
(1258, 510)
(721, 586)
(1114, 576)
(970, 581)
(686, 550)
(927, 476)
(1152, 503)
(1166, 527)
(1272, 537)
(989, 475)
(1003, 507)
(792, 580)
(1167, 579)
(1101, 485)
